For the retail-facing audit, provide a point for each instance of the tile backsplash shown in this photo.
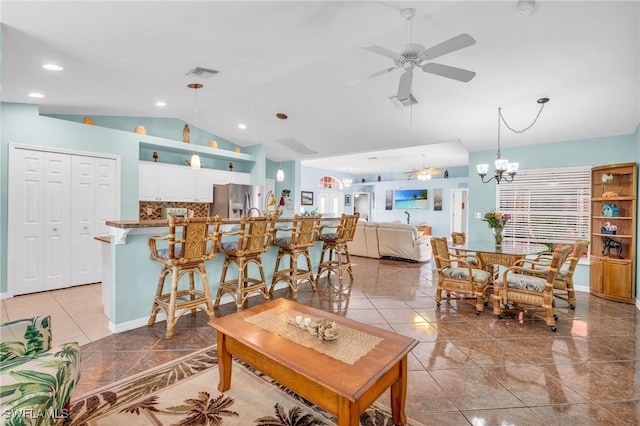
(150, 210)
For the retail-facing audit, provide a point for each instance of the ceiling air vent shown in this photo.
(202, 72)
(404, 102)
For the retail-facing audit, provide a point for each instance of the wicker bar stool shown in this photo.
(334, 244)
(253, 238)
(190, 243)
(303, 234)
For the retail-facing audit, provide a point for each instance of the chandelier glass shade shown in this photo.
(280, 175)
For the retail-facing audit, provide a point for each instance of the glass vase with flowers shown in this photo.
(497, 222)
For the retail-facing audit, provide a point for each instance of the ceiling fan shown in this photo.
(414, 55)
(425, 173)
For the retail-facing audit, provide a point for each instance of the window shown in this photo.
(547, 205)
(329, 182)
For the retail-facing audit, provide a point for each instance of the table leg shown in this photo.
(348, 414)
(399, 394)
(224, 363)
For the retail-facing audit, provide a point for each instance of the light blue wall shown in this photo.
(22, 124)
(438, 220)
(585, 152)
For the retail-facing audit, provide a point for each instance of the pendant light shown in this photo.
(195, 158)
(280, 172)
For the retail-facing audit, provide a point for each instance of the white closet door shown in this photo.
(83, 184)
(57, 218)
(26, 192)
(106, 205)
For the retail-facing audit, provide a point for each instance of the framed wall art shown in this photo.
(410, 199)
(437, 199)
(388, 202)
(347, 200)
(306, 198)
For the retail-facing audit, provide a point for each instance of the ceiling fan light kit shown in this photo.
(425, 173)
(505, 170)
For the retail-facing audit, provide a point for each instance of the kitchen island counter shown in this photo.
(159, 223)
(130, 277)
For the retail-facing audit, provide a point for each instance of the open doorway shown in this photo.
(363, 204)
(459, 219)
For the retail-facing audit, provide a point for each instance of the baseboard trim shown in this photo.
(136, 323)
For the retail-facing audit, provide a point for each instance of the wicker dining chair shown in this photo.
(242, 248)
(530, 289)
(458, 277)
(296, 242)
(563, 285)
(335, 253)
(461, 238)
(190, 243)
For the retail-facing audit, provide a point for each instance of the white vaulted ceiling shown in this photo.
(301, 58)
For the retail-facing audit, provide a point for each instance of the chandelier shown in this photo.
(505, 170)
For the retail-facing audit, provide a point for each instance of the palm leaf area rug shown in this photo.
(184, 393)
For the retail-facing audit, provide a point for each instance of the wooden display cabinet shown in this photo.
(613, 231)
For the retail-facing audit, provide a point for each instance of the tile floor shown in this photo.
(467, 368)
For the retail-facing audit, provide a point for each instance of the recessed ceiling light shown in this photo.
(242, 126)
(52, 67)
(161, 104)
(36, 95)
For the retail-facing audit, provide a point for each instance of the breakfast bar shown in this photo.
(130, 276)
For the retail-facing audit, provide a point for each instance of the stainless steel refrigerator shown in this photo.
(233, 200)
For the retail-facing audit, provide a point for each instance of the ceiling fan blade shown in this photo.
(384, 71)
(456, 43)
(404, 87)
(375, 74)
(450, 72)
(382, 51)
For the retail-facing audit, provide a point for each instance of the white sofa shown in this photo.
(365, 240)
(393, 240)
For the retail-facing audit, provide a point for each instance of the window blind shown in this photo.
(547, 205)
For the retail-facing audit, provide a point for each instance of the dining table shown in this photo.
(505, 254)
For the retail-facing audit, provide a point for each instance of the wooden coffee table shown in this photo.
(343, 389)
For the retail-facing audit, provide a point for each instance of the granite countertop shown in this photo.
(162, 223)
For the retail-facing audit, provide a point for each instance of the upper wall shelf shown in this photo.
(165, 145)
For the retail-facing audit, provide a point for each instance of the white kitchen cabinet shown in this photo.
(57, 205)
(196, 185)
(223, 177)
(158, 181)
(204, 186)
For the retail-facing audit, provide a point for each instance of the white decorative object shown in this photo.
(607, 178)
(320, 328)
